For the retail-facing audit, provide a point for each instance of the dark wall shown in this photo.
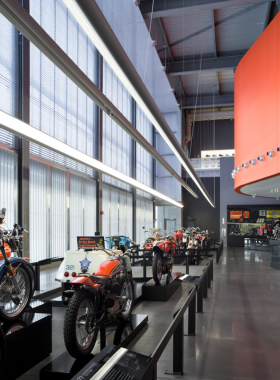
(207, 217)
(205, 133)
(228, 196)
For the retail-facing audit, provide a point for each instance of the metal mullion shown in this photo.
(48, 223)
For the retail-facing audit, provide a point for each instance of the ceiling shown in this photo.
(201, 42)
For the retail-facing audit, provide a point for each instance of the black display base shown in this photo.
(29, 341)
(40, 306)
(119, 334)
(163, 291)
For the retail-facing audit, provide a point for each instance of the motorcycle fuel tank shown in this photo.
(109, 268)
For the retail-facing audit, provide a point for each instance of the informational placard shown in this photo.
(90, 242)
(115, 364)
(235, 214)
(261, 212)
(246, 214)
(273, 214)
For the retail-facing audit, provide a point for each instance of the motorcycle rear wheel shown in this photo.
(126, 291)
(79, 336)
(12, 306)
(157, 267)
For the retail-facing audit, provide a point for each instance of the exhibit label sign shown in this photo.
(90, 242)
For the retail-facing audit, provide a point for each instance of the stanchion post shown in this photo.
(37, 274)
(212, 268)
(192, 317)
(205, 286)
(209, 275)
(178, 349)
(144, 269)
(187, 265)
(200, 299)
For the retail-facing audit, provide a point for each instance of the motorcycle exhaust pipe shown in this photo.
(68, 293)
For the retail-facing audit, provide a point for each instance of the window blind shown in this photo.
(144, 161)
(9, 77)
(144, 218)
(57, 106)
(117, 144)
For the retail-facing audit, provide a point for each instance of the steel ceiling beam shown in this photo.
(21, 19)
(212, 64)
(164, 38)
(213, 33)
(237, 14)
(208, 101)
(165, 8)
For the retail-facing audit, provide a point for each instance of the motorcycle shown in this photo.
(15, 279)
(163, 258)
(179, 236)
(94, 299)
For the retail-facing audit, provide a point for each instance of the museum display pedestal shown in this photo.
(117, 333)
(162, 291)
(29, 341)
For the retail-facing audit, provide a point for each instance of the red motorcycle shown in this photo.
(163, 258)
(96, 298)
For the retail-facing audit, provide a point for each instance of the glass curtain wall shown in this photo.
(117, 147)
(62, 207)
(118, 214)
(59, 108)
(144, 212)
(9, 103)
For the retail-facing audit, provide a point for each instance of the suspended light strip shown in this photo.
(83, 21)
(19, 128)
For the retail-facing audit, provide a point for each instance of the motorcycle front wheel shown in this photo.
(13, 305)
(80, 334)
(157, 267)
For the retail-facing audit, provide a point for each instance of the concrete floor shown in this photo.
(238, 333)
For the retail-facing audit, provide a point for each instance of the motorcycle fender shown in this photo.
(12, 260)
(83, 281)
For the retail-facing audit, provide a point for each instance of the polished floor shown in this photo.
(238, 335)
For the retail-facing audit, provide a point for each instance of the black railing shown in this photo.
(39, 264)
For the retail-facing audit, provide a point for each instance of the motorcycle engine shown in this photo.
(112, 310)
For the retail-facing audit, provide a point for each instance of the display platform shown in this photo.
(116, 363)
(40, 306)
(162, 291)
(29, 341)
(119, 334)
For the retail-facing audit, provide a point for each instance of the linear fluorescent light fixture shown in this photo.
(26, 131)
(83, 21)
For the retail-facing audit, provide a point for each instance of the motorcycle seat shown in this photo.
(99, 279)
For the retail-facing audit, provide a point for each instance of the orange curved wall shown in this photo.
(257, 107)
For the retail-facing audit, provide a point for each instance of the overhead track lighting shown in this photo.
(21, 19)
(101, 34)
(27, 132)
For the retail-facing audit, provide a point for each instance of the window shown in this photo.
(118, 149)
(144, 161)
(9, 76)
(144, 218)
(117, 208)
(57, 106)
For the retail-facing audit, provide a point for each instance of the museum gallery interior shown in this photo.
(139, 189)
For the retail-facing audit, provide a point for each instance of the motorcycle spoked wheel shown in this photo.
(3, 352)
(157, 267)
(126, 291)
(32, 275)
(79, 336)
(13, 305)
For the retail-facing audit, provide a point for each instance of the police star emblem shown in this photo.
(85, 263)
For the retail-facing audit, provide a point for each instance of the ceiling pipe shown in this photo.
(112, 44)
